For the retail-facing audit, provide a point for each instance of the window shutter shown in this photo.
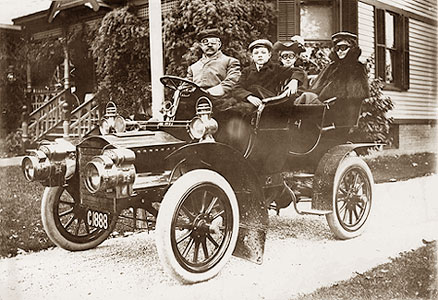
(349, 16)
(405, 53)
(288, 22)
(380, 42)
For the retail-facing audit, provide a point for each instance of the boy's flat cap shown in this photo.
(206, 33)
(260, 43)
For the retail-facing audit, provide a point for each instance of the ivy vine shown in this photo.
(121, 52)
(240, 22)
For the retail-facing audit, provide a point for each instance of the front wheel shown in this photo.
(352, 198)
(197, 226)
(65, 221)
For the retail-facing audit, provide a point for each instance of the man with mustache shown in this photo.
(214, 71)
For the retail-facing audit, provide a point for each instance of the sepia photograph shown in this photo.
(218, 149)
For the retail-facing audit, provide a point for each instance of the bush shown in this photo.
(374, 124)
(121, 51)
(14, 143)
(12, 98)
(240, 22)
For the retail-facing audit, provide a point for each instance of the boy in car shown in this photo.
(263, 78)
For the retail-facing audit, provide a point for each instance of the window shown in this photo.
(392, 49)
(316, 20)
(312, 19)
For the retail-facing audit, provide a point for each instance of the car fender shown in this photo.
(231, 164)
(323, 182)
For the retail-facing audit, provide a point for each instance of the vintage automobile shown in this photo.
(207, 191)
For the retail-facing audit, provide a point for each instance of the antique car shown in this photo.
(207, 186)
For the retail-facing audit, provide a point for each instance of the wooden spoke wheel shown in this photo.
(65, 222)
(197, 226)
(352, 198)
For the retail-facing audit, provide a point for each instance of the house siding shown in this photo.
(366, 31)
(420, 100)
(423, 8)
(415, 110)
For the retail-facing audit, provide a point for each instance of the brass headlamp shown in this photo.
(114, 169)
(52, 163)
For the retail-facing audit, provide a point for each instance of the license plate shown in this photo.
(97, 219)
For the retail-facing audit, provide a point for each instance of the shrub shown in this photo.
(11, 87)
(14, 143)
(240, 22)
(374, 124)
(121, 51)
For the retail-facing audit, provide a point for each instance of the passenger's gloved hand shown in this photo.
(292, 87)
(254, 100)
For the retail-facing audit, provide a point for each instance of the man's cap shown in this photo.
(260, 43)
(344, 35)
(206, 33)
(295, 47)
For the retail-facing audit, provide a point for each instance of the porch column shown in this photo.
(66, 65)
(28, 77)
(28, 107)
(67, 105)
(156, 53)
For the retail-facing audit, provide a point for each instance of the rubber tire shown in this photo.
(165, 216)
(50, 200)
(346, 164)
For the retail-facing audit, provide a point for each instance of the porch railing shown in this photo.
(54, 117)
(46, 117)
(41, 96)
(84, 118)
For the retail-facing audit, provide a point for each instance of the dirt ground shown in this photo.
(301, 255)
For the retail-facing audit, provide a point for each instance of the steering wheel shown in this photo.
(179, 84)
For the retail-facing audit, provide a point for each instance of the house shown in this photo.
(49, 93)
(401, 35)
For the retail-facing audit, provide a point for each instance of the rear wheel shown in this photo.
(197, 226)
(352, 198)
(65, 221)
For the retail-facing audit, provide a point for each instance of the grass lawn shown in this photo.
(20, 214)
(412, 275)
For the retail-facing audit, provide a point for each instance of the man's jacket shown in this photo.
(219, 71)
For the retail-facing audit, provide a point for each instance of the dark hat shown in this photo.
(260, 43)
(344, 35)
(213, 32)
(295, 47)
